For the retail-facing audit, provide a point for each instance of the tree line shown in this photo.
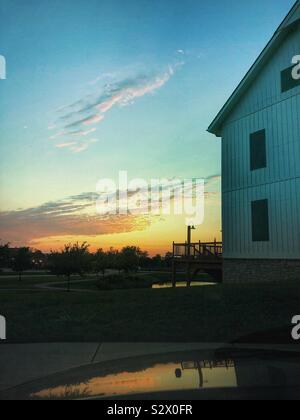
(76, 259)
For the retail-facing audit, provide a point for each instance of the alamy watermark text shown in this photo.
(2, 328)
(296, 329)
(155, 197)
(296, 68)
(2, 67)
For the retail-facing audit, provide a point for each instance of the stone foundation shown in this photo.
(247, 271)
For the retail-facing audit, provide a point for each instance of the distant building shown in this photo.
(260, 130)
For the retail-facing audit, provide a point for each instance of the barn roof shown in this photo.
(288, 23)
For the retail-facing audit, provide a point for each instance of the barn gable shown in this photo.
(292, 17)
(261, 87)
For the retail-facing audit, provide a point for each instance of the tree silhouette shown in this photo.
(38, 259)
(168, 259)
(22, 261)
(144, 260)
(73, 259)
(4, 256)
(114, 260)
(130, 257)
(101, 262)
(157, 261)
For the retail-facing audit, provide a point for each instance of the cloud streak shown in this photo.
(72, 216)
(76, 146)
(92, 109)
(77, 216)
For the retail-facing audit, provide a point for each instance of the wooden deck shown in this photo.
(196, 257)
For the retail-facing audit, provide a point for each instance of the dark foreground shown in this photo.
(222, 313)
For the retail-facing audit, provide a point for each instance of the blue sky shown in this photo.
(179, 61)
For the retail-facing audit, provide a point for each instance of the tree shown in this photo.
(38, 259)
(4, 256)
(73, 259)
(168, 259)
(144, 260)
(101, 262)
(114, 259)
(130, 258)
(22, 261)
(157, 261)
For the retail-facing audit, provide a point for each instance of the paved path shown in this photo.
(19, 290)
(54, 286)
(51, 286)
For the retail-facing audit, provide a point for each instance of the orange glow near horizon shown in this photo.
(156, 238)
(158, 378)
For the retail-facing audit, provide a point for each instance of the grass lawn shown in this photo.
(12, 282)
(148, 279)
(219, 313)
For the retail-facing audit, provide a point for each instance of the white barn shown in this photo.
(260, 130)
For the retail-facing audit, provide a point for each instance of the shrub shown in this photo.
(123, 281)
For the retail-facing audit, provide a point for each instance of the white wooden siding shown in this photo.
(284, 205)
(266, 89)
(264, 107)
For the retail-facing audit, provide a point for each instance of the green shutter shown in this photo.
(258, 150)
(260, 221)
(287, 80)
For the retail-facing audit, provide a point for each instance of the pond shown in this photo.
(181, 284)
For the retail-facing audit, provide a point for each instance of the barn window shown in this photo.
(260, 221)
(258, 150)
(287, 80)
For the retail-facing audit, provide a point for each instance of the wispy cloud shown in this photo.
(75, 216)
(83, 145)
(92, 109)
(103, 77)
(93, 120)
(83, 133)
(213, 179)
(76, 146)
(65, 145)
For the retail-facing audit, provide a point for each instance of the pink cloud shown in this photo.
(107, 105)
(122, 93)
(71, 216)
(84, 133)
(65, 145)
(94, 120)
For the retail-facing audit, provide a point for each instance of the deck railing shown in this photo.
(208, 364)
(198, 250)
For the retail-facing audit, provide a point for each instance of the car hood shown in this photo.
(188, 373)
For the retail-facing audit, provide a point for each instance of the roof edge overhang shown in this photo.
(285, 28)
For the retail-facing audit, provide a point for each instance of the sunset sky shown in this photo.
(98, 86)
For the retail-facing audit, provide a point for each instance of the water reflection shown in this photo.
(181, 284)
(187, 375)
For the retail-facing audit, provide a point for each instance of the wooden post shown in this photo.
(189, 241)
(173, 267)
(189, 277)
(173, 273)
